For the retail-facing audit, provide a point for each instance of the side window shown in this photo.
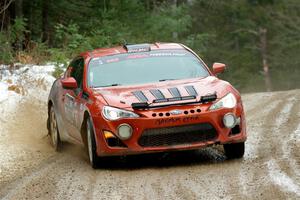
(68, 72)
(70, 68)
(77, 71)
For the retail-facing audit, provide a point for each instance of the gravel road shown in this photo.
(270, 169)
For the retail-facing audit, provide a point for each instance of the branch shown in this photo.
(250, 31)
(6, 6)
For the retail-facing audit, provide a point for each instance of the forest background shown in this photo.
(259, 40)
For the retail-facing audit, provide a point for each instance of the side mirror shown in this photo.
(69, 83)
(218, 68)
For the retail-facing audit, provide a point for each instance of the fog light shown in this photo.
(229, 120)
(124, 131)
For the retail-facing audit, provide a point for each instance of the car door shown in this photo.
(72, 101)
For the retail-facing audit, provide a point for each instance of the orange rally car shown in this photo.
(144, 98)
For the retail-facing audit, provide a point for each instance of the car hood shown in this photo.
(124, 96)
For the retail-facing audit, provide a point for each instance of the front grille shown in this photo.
(177, 135)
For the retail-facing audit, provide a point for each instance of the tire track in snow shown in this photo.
(294, 124)
(264, 100)
(255, 123)
(275, 130)
(256, 128)
(289, 123)
(283, 125)
(281, 179)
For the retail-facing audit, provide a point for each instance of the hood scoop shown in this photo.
(140, 96)
(159, 96)
(191, 90)
(175, 92)
(176, 96)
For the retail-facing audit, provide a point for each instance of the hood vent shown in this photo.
(140, 96)
(191, 90)
(157, 94)
(160, 96)
(174, 92)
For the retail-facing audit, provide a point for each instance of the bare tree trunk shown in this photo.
(45, 21)
(175, 33)
(3, 16)
(19, 8)
(154, 3)
(19, 14)
(4, 11)
(104, 6)
(263, 49)
(6, 5)
(236, 38)
(147, 4)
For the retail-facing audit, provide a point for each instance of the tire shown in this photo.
(234, 150)
(91, 144)
(53, 130)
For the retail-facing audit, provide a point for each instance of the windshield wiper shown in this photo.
(167, 79)
(111, 85)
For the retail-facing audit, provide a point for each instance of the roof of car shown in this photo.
(122, 49)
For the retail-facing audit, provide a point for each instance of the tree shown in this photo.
(258, 39)
(3, 9)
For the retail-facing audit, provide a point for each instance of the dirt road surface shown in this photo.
(270, 169)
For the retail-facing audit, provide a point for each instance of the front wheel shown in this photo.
(234, 150)
(54, 134)
(91, 144)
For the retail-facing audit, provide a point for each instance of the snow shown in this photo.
(3, 92)
(282, 179)
(24, 81)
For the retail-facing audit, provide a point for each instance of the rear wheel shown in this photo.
(234, 150)
(54, 134)
(91, 144)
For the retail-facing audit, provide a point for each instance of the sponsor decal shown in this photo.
(139, 54)
(175, 120)
(167, 54)
(112, 60)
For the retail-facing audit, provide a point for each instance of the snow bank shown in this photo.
(24, 81)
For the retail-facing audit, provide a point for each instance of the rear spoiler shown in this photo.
(146, 105)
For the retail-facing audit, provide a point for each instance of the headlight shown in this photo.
(228, 101)
(112, 113)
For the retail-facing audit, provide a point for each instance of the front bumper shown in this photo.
(192, 116)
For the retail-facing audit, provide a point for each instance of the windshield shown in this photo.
(144, 67)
